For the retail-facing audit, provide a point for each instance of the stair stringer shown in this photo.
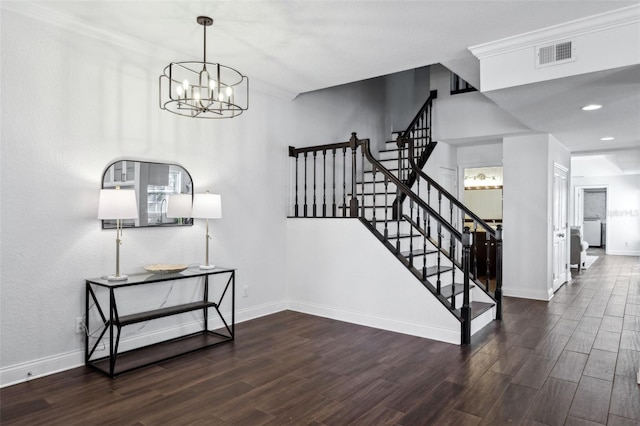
(477, 291)
(337, 269)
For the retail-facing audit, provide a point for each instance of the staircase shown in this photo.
(422, 225)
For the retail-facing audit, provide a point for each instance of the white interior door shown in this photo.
(560, 227)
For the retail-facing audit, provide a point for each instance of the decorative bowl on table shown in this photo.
(163, 268)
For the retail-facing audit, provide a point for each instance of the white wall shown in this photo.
(623, 210)
(527, 204)
(467, 115)
(330, 115)
(72, 104)
(338, 269)
(406, 92)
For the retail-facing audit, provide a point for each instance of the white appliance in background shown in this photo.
(592, 232)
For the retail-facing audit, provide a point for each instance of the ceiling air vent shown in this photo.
(555, 54)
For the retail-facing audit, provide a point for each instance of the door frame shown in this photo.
(578, 208)
(566, 275)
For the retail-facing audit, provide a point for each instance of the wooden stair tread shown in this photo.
(446, 291)
(433, 270)
(418, 252)
(378, 171)
(479, 308)
(396, 236)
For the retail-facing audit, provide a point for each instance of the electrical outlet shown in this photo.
(245, 291)
(79, 325)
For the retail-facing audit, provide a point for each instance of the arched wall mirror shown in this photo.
(153, 183)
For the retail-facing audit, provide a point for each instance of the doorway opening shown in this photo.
(591, 214)
(483, 193)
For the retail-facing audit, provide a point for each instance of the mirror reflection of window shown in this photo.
(153, 183)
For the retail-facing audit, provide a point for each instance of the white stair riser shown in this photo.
(482, 320)
(378, 187)
(389, 155)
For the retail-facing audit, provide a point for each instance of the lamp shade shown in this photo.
(207, 206)
(179, 205)
(117, 204)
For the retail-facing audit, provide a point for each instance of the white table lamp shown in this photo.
(207, 206)
(117, 204)
(179, 206)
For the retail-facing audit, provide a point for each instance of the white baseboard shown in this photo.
(30, 370)
(623, 252)
(528, 293)
(383, 323)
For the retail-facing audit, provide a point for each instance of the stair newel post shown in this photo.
(353, 204)
(433, 95)
(465, 311)
(292, 153)
(305, 185)
(344, 181)
(333, 206)
(315, 211)
(498, 292)
(324, 183)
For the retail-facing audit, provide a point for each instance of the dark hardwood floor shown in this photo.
(571, 361)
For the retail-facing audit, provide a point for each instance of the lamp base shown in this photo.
(207, 266)
(117, 278)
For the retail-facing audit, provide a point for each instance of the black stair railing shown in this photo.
(414, 223)
(419, 130)
(343, 168)
(487, 241)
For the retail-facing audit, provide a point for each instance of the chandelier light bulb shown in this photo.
(185, 85)
(221, 96)
(179, 91)
(212, 84)
(196, 96)
(229, 91)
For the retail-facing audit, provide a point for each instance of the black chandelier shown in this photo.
(203, 89)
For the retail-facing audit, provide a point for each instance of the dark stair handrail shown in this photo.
(496, 234)
(426, 227)
(419, 128)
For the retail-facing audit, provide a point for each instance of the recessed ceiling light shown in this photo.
(607, 138)
(591, 107)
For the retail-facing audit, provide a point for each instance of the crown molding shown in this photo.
(579, 27)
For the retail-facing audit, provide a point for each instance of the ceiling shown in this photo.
(294, 46)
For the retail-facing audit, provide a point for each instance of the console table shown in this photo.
(103, 296)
